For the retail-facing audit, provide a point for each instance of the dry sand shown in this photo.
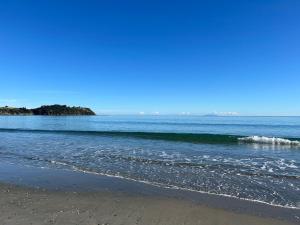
(22, 206)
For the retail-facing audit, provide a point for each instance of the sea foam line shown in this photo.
(173, 187)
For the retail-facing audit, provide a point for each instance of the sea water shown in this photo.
(254, 158)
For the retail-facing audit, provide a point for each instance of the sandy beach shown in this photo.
(38, 196)
(20, 205)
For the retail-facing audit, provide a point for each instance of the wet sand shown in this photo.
(20, 205)
(30, 195)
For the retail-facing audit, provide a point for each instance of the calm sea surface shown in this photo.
(255, 158)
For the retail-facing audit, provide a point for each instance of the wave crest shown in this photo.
(269, 140)
(204, 138)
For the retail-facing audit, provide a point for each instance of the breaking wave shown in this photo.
(180, 137)
(269, 140)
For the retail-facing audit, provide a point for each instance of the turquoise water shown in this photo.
(255, 158)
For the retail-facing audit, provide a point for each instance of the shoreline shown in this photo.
(21, 205)
(157, 185)
(55, 182)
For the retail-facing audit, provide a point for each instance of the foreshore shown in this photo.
(49, 196)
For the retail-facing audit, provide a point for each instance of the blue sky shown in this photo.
(170, 57)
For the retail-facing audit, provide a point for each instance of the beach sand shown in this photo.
(36, 196)
(24, 205)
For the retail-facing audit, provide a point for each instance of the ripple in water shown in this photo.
(268, 174)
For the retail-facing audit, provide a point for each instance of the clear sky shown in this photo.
(121, 56)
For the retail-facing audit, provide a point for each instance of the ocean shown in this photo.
(252, 158)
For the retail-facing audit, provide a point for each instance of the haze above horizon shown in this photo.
(152, 57)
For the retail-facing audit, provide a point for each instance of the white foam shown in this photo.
(174, 187)
(59, 163)
(269, 140)
(157, 184)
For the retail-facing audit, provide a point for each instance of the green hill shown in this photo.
(47, 110)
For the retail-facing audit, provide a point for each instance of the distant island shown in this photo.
(48, 110)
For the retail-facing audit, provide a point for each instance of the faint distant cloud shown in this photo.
(225, 113)
(185, 113)
(117, 112)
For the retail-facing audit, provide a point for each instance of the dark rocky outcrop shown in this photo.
(47, 110)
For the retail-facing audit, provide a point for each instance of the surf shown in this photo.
(201, 138)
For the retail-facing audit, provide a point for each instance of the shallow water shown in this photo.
(205, 154)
